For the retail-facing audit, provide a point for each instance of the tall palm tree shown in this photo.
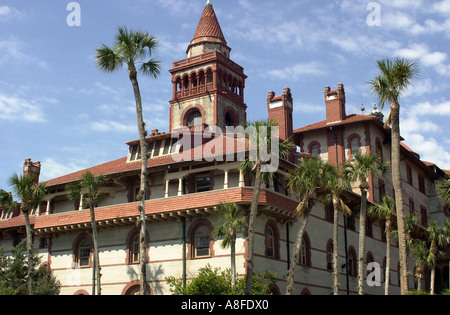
(310, 179)
(393, 80)
(437, 239)
(261, 141)
(31, 195)
(132, 48)
(385, 212)
(337, 185)
(233, 223)
(359, 171)
(90, 188)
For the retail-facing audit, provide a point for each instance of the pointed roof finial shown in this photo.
(209, 2)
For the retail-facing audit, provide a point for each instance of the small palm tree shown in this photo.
(310, 179)
(437, 239)
(31, 195)
(261, 142)
(233, 223)
(385, 212)
(132, 48)
(90, 187)
(420, 251)
(359, 170)
(393, 80)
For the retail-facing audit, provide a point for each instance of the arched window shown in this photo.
(305, 253)
(272, 240)
(353, 143)
(135, 245)
(84, 254)
(194, 119)
(314, 149)
(354, 147)
(352, 262)
(201, 242)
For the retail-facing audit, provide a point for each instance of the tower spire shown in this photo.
(208, 31)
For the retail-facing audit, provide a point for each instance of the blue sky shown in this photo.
(57, 108)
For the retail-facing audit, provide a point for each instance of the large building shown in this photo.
(181, 206)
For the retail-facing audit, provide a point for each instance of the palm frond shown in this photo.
(151, 68)
(108, 60)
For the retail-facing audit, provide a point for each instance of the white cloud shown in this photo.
(13, 50)
(52, 169)
(19, 109)
(7, 13)
(422, 53)
(297, 70)
(112, 126)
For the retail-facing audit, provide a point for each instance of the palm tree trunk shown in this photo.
(96, 252)
(251, 228)
(335, 247)
(396, 179)
(29, 251)
(233, 261)
(388, 256)
(362, 237)
(433, 279)
(296, 253)
(143, 187)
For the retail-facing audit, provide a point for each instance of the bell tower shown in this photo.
(208, 87)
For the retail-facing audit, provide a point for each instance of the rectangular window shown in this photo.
(421, 184)
(157, 148)
(203, 182)
(409, 175)
(133, 152)
(167, 146)
(411, 206)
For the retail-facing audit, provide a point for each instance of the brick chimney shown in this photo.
(335, 104)
(33, 168)
(280, 110)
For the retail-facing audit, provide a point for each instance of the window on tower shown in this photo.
(194, 119)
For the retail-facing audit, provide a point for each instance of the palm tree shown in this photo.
(310, 179)
(131, 48)
(394, 78)
(385, 212)
(90, 187)
(359, 170)
(261, 141)
(336, 185)
(31, 195)
(233, 223)
(443, 189)
(420, 251)
(436, 238)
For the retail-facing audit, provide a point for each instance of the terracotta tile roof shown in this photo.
(323, 124)
(213, 147)
(209, 26)
(166, 205)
